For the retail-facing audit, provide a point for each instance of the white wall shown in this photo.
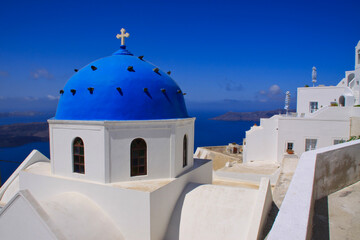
(181, 129)
(62, 135)
(130, 209)
(318, 174)
(297, 130)
(11, 186)
(357, 62)
(164, 139)
(163, 200)
(138, 214)
(323, 95)
(261, 141)
(157, 140)
(355, 126)
(23, 218)
(107, 148)
(268, 142)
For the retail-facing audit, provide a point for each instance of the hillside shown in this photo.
(248, 116)
(18, 134)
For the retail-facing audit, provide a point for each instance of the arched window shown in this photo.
(138, 157)
(78, 156)
(185, 151)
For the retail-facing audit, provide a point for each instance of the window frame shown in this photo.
(185, 150)
(310, 140)
(313, 106)
(288, 145)
(78, 155)
(138, 154)
(338, 141)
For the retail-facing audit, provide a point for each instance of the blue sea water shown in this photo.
(207, 133)
(11, 158)
(214, 133)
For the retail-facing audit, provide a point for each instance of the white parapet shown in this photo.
(318, 174)
(11, 186)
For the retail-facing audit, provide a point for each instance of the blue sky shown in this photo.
(226, 55)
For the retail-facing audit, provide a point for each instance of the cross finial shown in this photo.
(123, 35)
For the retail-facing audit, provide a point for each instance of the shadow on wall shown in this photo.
(270, 220)
(173, 230)
(320, 229)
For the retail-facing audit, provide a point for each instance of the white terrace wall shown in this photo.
(318, 174)
(323, 95)
(355, 126)
(34, 222)
(164, 199)
(268, 142)
(297, 130)
(11, 186)
(336, 169)
(261, 141)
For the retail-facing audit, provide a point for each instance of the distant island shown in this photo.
(18, 134)
(20, 114)
(249, 116)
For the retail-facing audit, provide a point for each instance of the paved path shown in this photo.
(338, 215)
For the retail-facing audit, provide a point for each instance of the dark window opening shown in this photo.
(342, 101)
(78, 156)
(138, 157)
(185, 151)
(313, 106)
(290, 146)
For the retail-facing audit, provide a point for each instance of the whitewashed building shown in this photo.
(326, 115)
(122, 166)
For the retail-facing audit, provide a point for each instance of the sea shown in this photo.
(207, 133)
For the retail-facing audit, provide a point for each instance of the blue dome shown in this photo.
(120, 87)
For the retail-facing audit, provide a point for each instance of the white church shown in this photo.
(121, 166)
(326, 115)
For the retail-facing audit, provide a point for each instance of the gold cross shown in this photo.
(123, 35)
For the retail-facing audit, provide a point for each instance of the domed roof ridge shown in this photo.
(122, 51)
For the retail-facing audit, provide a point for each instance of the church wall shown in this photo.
(62, 135)
(107, 148)
(164, 139)
(130, 209)
(185, 127)
(157, 138)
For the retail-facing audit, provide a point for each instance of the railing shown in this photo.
(318, 174)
